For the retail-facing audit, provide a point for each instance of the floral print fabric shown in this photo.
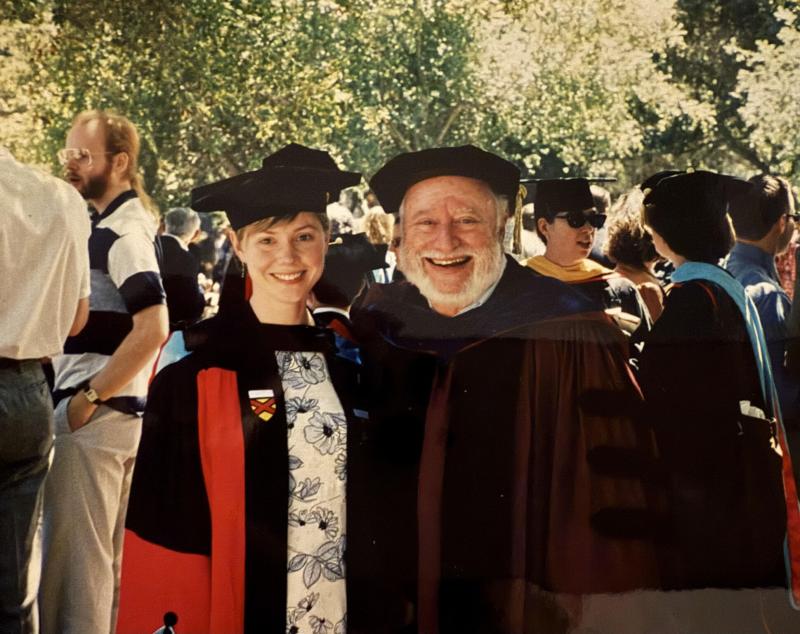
(317, 437)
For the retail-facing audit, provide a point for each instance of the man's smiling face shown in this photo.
(452, 240)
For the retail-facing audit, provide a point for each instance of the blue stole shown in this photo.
(702, 271)
(708, 272)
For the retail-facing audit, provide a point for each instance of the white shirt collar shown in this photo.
(332, 309)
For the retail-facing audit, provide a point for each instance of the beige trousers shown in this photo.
(85, 501)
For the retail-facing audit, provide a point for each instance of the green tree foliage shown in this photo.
(706, 62)
(575, 86)
(212, 86)
(770, 91)
(561, 87)
(409, 75)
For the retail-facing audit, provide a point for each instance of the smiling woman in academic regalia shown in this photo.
(237, 517)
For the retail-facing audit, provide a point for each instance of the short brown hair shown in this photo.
(627, 241)
(755, 213)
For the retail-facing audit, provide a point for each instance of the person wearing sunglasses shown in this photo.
(567, 221)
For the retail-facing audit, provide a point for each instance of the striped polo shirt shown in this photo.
(125, 279)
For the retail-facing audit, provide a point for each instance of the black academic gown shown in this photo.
(727, 515)
(179, 269)
(207, 518)
(614, 291)
(503, 459)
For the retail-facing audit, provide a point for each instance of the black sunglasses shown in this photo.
(577, 218)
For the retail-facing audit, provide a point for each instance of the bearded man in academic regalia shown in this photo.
(506, 470)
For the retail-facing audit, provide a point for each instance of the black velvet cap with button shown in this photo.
(356, 253)
(552, 196)
(696, 193)
(347, 263)
(652, 181)
(293, 179)
(392, 181)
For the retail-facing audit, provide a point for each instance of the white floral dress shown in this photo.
(316, 600)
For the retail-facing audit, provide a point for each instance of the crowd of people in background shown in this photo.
(458, 402)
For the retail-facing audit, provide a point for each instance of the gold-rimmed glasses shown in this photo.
(81, 155)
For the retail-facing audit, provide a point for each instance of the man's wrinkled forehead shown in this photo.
(455, 191)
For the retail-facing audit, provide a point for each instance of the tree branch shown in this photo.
(454, 112)
(739, 147)
(399, 137)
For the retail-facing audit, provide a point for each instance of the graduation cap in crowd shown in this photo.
(696, 193)
(553, 187)
(391, 182)
(652, 181)
(570, 196)
(551, 196)
(295, 178)
(347, 263)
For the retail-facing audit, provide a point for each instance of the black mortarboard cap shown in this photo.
(552, 196)
(356, 252)
(391, 182)
(698, 193)
(295, 178)
(347, 262)
(652, 181)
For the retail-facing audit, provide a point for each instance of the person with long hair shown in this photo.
(101, 380)
(241, 492)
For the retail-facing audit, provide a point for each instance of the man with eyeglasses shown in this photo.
(764, 219)
(101, 381)
(567, 221)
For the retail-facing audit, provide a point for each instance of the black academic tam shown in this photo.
(295, 178)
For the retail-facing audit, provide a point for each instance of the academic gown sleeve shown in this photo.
(168, 553)
(726, 511)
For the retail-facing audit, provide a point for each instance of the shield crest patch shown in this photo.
(262, 403)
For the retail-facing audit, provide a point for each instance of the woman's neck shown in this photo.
(281, 314)
(560, 261)
(677, 260)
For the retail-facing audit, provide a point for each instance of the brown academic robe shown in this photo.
(504, 465)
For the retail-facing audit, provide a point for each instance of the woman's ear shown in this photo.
(543, 226)
(237, 246)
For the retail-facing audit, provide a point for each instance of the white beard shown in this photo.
(487, 265)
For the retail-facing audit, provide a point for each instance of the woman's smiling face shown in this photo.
(285, 259)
